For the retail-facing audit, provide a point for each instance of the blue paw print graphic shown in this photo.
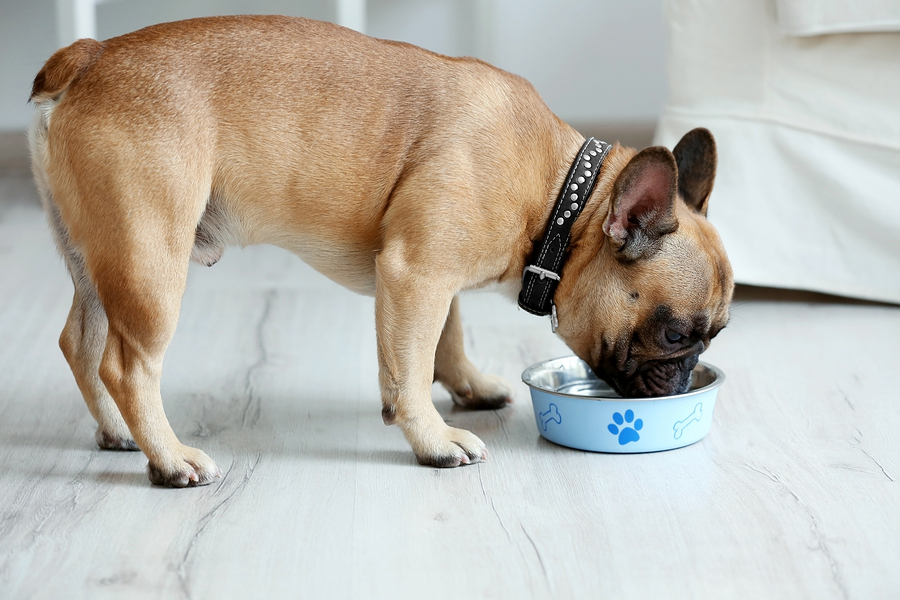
(624, 428)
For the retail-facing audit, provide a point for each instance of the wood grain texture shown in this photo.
(793, 494)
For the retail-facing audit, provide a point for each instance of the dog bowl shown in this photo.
(573, 408)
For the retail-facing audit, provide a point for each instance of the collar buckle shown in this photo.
(541, 273)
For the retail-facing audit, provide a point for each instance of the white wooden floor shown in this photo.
(795, 493)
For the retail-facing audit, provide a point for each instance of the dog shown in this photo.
(392, 170)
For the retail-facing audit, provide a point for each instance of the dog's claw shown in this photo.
(455, 448)
(490, 393)
(110, 441)
(195, 469)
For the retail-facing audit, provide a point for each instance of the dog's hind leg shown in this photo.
(124, 196)
(82, 342)
(141, 280)
(83, 338)
(134, 237)
(467, 385)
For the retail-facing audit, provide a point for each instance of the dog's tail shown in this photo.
(63, 68)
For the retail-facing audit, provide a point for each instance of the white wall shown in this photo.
(593, 61)
(121, 16)
(27, 38)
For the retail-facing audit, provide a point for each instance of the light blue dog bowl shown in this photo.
(573, 408)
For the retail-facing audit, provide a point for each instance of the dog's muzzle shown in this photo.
(657, 378)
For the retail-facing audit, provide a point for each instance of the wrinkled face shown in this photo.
(641, 308)
(642, 325)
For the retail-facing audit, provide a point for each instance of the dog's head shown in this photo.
(647, 285)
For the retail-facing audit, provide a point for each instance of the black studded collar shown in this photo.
(541, 276)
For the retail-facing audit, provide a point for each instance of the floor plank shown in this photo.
(793, 494)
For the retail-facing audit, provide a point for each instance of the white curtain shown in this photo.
(808, 129)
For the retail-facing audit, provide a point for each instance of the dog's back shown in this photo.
(341, 117)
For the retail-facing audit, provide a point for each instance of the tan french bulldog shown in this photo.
(394, 171)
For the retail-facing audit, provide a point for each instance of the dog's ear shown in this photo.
(643, 204)
(696, 157)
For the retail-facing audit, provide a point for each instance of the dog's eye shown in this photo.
(673, 336)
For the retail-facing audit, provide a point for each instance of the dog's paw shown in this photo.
(112, 440)
(189, 467)
(450, 447)
(482, 392)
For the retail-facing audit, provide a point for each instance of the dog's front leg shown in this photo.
(411, 307)
(468, 386)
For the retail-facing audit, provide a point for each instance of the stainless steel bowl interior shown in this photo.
(570, 376)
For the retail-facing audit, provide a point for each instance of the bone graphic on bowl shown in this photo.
(551, 415)
(680, 426)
